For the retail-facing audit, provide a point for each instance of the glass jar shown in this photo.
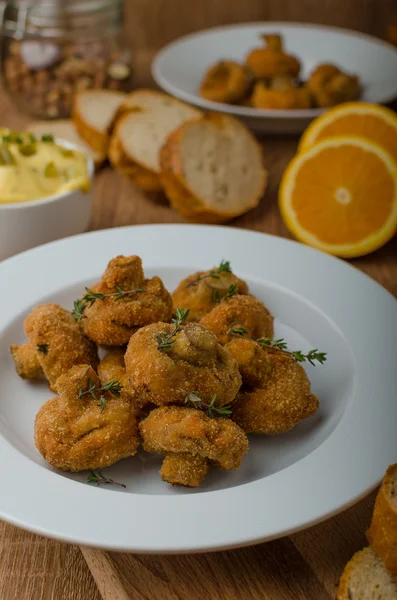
(52, 48)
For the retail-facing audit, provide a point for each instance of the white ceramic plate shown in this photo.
(285, 483)
(179, 67)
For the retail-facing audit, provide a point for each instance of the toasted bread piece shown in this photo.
(143, 122)
(382, 533)
(143, 178)
(93, 114)
(65, 129)
(212, 169)
(365, 578)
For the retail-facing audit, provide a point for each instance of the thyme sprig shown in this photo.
(232, 290)
(78, 310)
(298, 355)
(279, 344)
(312, 356)
(113, 386)
(99, 479)
(237, 331)
(210, 409)
(90, 297)
(165, 342)
(224, 267)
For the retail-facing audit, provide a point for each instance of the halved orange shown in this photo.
(374, 122)
(341, 196)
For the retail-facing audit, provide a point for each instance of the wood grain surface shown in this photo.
(153, 23)
(305, 566)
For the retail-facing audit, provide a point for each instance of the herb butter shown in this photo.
(33, 168)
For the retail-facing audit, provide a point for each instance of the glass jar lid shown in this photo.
(57, 18)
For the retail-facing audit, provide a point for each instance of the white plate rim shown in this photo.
(43, 502)
(243, 111)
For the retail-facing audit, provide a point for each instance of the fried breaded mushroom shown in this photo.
(273, 41)
(184, 469)
(130, 301)
(236, 312)
(164, 367)
(226, 81)
(289, 97)
(192, 442)
(253, 361)
(26, 361)
(330, 86)
(280, 402)
(201, 291)
(57, 343)
(265, 63)
(76, 431)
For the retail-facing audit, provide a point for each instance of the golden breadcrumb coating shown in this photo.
(26, 361)
(280, 403)
(112, 321)
(239, 311)
(195, 362)
(273, 41)
(265, 63)
(56, 340)
(253, 361)
(189, 470)
(201, 296)
(112, 366)
(176, 430)
(226, 81)
(330, 86)
(75, 434)
(291, 97)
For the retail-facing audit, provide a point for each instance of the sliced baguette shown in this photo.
(143, 122)
(382, 533)
(93, 114)
(143, 178)
(65, 129)
(365, 578)
(212, 169)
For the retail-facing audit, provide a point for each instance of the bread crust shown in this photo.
(143, 178)
(344, 582)
(382, 533)
(98, 140)
(180, 196)
(344, 592)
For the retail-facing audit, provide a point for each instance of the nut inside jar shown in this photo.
(51, 52)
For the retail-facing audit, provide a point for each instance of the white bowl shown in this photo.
(286, 482)
(28, 224)
(180, 66)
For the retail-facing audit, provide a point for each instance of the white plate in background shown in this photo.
(285, 483)
(180, 66)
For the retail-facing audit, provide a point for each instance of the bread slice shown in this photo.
(143, 122)
(65, 129)
(212, 169)
(93, 114)
(382, 533)
(365, 578)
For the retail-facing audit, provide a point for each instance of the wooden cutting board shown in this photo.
(305, 566)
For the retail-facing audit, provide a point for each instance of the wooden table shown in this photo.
(304, 566)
